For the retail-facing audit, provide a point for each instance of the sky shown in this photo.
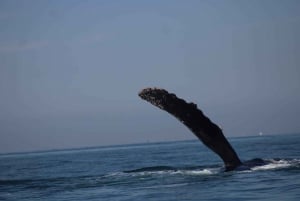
(70, 71)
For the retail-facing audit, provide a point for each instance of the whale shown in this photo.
(200, 125)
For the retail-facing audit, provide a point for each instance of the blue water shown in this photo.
(162, 171)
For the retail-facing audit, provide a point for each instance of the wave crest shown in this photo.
(278, 164)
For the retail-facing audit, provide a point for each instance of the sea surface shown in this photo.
(184, 170)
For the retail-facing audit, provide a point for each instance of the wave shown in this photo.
(45, 181)
(123, 177)
(206, 171)
(192, 170)
(257, 164)
(274, 164)
(151, 169)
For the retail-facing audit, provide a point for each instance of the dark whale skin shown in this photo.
(208, 132)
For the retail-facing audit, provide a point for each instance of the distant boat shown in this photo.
(260, 133)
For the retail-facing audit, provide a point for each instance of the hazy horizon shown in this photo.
(71, 149)
(71, 70)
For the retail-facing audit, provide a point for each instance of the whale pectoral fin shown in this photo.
(188, 113)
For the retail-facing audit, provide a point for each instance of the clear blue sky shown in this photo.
(70, 71)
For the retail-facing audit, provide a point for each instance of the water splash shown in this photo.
(278, 164)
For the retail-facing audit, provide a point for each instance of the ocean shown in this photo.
(184, 170)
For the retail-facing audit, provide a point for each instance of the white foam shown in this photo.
(205, 171)
(275, 164)
(197, 172)
(177, 172)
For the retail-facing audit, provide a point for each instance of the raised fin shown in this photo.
(188, 113)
